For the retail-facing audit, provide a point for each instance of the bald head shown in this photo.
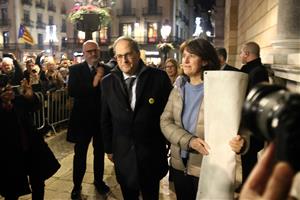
(253, 48)
(250, 51)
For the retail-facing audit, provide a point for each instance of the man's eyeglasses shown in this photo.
(129, 55)
(92, 51)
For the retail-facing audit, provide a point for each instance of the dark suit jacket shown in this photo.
(134, 137)
(230, 68)
(85, 116)
(256, 73)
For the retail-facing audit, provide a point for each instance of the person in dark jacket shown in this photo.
(222, 54)
(133, 98)
(23, 152)
(84, 125)
(11, 67)
(250, 56)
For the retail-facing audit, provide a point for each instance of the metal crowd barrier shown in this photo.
(39, 116)
(59, 106)
(56, 109)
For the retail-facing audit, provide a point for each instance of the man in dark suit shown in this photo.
(130, 121)
(222, 54)
(84, 87)
(250, 56)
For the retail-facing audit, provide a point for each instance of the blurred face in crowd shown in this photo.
(51, 66)
(171, 69)
(191, 64)
(127, 57)
(6, 67)
(65, 63)
(91, 52)
(29, 65)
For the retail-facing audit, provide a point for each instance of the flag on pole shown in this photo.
(25, 35)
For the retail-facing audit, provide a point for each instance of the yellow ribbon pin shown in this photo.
(151, 101)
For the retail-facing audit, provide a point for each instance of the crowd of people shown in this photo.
(43, 72)
(136, 114)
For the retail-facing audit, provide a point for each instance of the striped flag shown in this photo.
(25, 35)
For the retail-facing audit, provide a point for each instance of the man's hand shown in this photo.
(99, 75)
(268, 180)
(199, 145)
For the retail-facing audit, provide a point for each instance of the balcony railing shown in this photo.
(126, 12)
(151, 11)
(40, 25)
(3, 1)
(27, 2)
(14, 47)
(52, 7)
(5, 22)
(28, 22)
(40, 4)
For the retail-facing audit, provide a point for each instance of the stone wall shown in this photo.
(275, 26)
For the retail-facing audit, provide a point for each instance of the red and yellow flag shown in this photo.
(25, 35)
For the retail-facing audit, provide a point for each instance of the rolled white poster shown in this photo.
(224, 94)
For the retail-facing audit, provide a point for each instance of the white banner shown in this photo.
(224, 94)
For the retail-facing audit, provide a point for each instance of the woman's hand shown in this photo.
(199, 145)
(237, 144)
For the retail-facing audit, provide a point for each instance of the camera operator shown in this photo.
(272, 113)
(23, 152)
(265, 184)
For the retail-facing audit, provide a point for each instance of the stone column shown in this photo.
(288, 30)
(286, 47)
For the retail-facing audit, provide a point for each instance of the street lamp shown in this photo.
(165, 32)
(51, 37)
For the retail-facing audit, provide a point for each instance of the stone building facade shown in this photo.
(275, 26)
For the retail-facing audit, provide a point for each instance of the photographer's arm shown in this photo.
(32, 101)
(265, 183)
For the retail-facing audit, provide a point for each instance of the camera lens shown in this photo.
(271, 112)
(260, 108)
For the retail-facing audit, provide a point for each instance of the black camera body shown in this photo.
(4, 82)
(271, 112)
(4, 79)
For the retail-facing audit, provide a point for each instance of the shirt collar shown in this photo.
(127, 76)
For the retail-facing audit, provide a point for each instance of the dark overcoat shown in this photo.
(85, 116)
(23, 150)
(134, 137)
(257, 73)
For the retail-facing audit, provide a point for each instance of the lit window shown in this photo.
(152, 32)
(103, 34)
(127, 29)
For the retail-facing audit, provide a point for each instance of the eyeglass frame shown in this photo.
(128, 55)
